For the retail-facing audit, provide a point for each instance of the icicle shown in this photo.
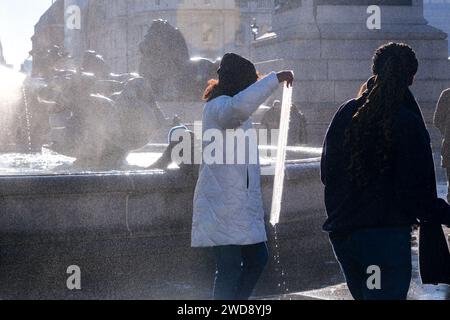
(281, 156)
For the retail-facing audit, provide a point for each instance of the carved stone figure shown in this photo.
(168, 66)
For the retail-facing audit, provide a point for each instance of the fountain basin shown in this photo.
(130, 235)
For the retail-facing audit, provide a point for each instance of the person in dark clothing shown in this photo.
(442, 122)
(378, 172)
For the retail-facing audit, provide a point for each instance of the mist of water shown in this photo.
(11, 83)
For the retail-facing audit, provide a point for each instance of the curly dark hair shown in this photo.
(369, 137)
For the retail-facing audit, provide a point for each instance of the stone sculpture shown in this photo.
(167, 64)
(282, 5)
(100, 117)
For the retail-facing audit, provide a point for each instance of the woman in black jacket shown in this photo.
(379, 177)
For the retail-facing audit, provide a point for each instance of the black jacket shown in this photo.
(403, 197)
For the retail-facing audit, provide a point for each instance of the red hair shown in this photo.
(212, 84)
(213, 91)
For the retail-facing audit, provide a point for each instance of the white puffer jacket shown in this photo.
(226, 211)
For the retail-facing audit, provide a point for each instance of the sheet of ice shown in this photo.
(281, 156)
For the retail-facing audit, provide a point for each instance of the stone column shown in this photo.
(329, 46)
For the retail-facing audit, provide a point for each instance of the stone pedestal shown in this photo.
(329, 46)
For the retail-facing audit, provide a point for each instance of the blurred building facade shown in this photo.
(437, 12)
(114, 28)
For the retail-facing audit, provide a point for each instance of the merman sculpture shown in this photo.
(104, 116)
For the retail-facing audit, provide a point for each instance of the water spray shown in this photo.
(27, 118)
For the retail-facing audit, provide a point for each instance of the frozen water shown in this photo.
(281, 156)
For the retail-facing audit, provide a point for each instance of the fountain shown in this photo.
(127, 228)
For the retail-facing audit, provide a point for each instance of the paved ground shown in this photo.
(340, 292)
(417, 290)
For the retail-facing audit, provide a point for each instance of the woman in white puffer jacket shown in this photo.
(228, 208)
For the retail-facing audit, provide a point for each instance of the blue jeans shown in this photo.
(238, 270)
(387, 248)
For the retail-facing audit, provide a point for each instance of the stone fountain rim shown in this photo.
(129, 182)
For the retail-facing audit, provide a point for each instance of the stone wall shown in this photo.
(130, 235)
